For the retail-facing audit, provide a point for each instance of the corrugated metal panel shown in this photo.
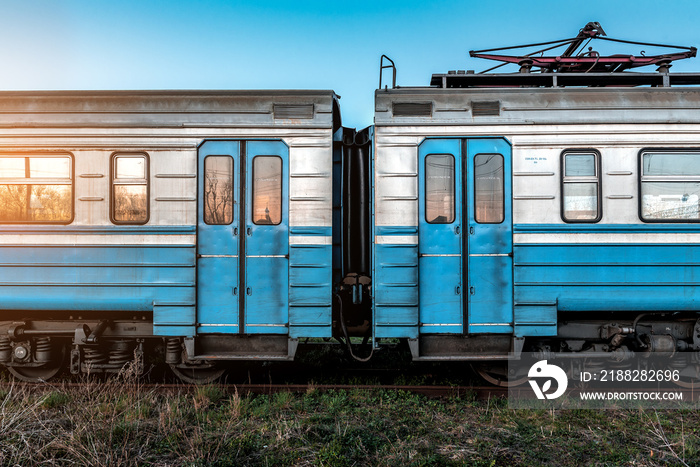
(588, 277)
(412, 109)
(293, 110)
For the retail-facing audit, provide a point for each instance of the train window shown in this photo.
(218, 190)
(670, 186)
(36, 189)
(440, 188)
(267, 190)
(129, 188)
(489, 206)
(581, 186)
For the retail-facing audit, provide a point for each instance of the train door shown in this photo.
(267, 238)
(440, 234)
(242, 237)
(465, 229)
(489, 241)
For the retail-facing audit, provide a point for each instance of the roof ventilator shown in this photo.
(486, 109)
(293, 110)
(412, 109)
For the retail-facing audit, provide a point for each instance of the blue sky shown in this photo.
(216, 44)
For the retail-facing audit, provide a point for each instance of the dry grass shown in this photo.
(117, 422)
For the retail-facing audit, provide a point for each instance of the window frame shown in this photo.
(252, 189)
(660, 178)
(503, 186)
(454, 188)
(112, 177)
(46, 154)
(597, 178)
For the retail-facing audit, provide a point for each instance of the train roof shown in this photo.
(526, 106)
(169, 108)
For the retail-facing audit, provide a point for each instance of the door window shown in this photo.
(488, 189)
(267, 190)
(440, 188)
(218, 190)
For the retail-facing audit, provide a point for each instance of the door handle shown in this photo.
(235, 231)
(249, 231)
(235, 291)
(249, 291)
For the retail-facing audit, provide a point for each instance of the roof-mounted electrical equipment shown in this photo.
(577, 65)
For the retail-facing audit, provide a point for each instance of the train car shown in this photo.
(480, 217)
(199, 222)
(556, 212)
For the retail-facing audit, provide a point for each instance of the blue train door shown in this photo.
(242, 237)
(440, 234)
(490, 236)
(465, 230)
(267, 238)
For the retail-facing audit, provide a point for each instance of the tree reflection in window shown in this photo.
(218, 190)
(130, 189)
(36, 189)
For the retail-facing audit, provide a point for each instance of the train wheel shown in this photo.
(497, 374)
(690, 378)
(198, 374)
(39, 374)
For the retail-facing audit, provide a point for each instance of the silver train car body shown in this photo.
(135, 213)
(472, 222)
(562, 219)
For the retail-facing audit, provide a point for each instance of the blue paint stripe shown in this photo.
(311, 230)
(100, 298)
(395, 230)
(611, 298)
(612, 274)
(117, 256)
(633, 255)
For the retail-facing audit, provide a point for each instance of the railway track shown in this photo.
(478, 393)
(430, 391)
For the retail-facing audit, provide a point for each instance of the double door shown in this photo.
(243, 237)
(465, 236)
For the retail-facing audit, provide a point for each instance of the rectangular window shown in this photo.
(218, 190)
(670, 186)
(267, 190)
(488, 189)
(129, 188)
(581, 186)
(440, 188)
(36, 189)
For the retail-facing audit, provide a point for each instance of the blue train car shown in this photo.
(200, 221)
(480, 217)
(516, 212)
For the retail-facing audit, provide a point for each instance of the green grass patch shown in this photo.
(110, 423)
